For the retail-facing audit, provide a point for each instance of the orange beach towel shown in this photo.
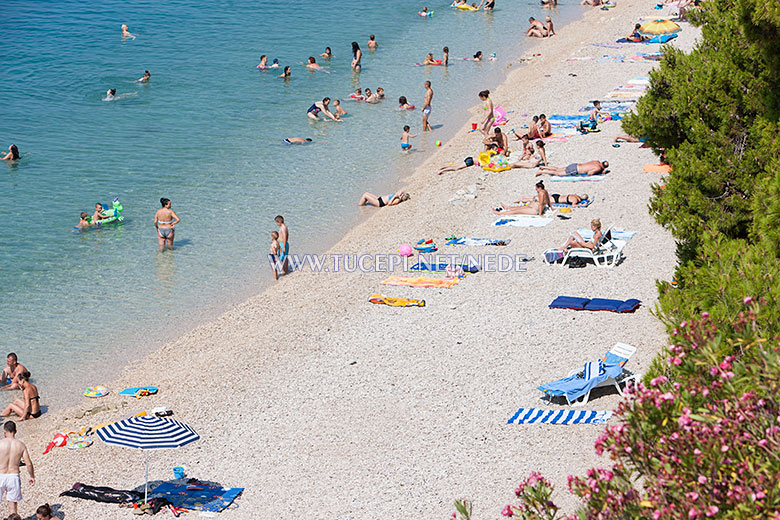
(421, 281)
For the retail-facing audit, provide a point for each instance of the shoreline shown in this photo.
(416, 363)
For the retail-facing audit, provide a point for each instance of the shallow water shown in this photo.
(205, 132)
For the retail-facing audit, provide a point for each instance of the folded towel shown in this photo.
(421, 282)
(539, 416)
(523, 221)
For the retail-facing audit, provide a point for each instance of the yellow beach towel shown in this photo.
(421, 281)
(396, 302)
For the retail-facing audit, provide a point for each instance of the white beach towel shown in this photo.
(523, 221)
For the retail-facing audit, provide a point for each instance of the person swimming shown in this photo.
(313, 65)
(403, 104)
(358, 95)
(12, 155)
(110, 94)
(287, 72)
(477, 56)
(126, 33)
(145, 77)
(275, 63)
(296, 140)
(263, 62)
(327, 54)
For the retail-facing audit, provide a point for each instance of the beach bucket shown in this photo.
(178, 472)
(473, 126)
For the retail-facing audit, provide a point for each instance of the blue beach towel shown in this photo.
(587, 234)
(539, 416)
(583, 204)
(424, 266)
(463, 241)
(575, 386)
(576, 178)
(207, 498)
(523, 221)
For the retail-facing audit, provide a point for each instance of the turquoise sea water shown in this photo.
(205, 132)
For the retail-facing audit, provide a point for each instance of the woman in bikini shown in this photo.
(321, 106)
(535, 205)
(487, 123)
(164, 221)
(29, 406)
(357, 55)
(576, 240)
(369, 199)
(573, 199)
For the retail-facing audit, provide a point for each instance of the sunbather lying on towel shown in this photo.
(369, 199)
(586, 168)
(576, 240)
(535, 205)
(467, 163)
(573, 199)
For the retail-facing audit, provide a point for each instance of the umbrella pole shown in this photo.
(146, 486)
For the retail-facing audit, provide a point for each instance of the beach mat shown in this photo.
(197, 496)
(523, 221)
(539, 416)
(596, 304)
(395, 302)
(421, 282)
(133, 391)
(577, 178)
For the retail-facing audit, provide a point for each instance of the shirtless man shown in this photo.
(536, 29)
(284, 243)
(533, 128)
(126, 33)
(426, 110)
(528, 148)
(586, 168)
(11, 452)
(13, 368)
(545, 129)
(372, 44)
(497, 140)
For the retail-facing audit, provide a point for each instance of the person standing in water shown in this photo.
(372, 44)
(164, 221)
(284, 243)
(357, 55)
(426, 110)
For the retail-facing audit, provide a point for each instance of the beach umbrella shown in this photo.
(659, 27)
(148, 433)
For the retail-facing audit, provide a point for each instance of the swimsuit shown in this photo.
(405, 146)
(165, 232)
(571, 169)
(286, 141)
(314, 109)
(427, 110)
(285, 251)
(11, 487)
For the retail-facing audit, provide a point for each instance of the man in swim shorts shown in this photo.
(467, 163)
(12, 451)
(296, 140)
(284, 243)
(12, 369)
(586, 168)
(426, 111)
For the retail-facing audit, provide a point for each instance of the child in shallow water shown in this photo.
(337, 110)
(273, 253)
(405, 145)
(403, 104)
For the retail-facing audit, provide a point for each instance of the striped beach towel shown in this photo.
(421, 281)
(539, 416)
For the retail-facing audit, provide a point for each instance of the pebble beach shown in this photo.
(319, 403)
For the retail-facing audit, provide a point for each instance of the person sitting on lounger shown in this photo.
(535, 206)
(576, 240)
(586, 168)
(369, 199)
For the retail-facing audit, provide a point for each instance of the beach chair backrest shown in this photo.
(619, 354)
(605, 238)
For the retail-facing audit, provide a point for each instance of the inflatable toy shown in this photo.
(114, 214)
(405, 250)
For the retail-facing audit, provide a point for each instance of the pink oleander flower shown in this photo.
(705, 315)
(748, 300)
(507, 511)
(724, 448)
(712, 510)
(702, 479)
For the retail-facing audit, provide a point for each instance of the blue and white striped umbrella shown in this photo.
(148, 433)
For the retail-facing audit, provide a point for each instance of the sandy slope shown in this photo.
(320, 403)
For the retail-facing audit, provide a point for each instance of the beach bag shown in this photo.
(553, 255)
(577, 262)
